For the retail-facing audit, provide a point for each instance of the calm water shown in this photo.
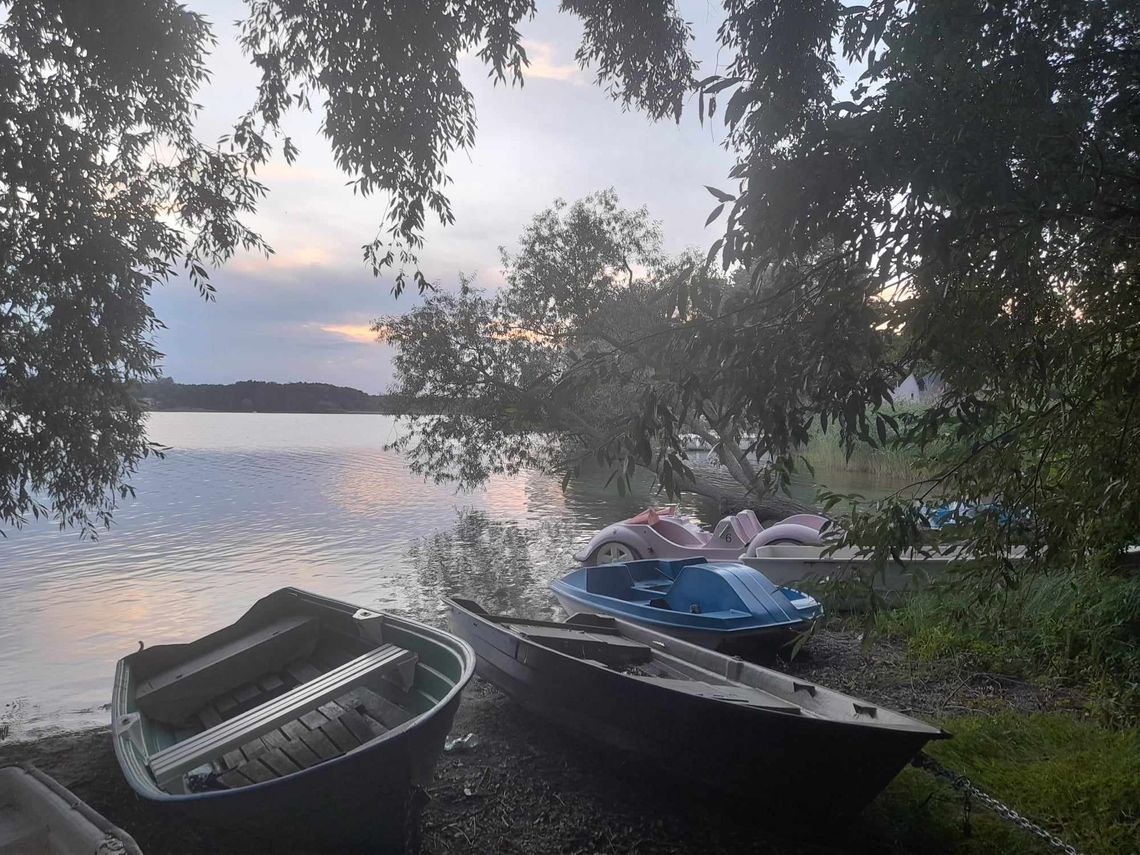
(244, 504)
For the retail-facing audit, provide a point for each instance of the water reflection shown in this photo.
(502, 564)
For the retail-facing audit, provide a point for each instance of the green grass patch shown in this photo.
(825, 451)
(1076, 777)
(1081, 631)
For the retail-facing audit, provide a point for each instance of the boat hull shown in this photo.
(367, 798)
(801, 765)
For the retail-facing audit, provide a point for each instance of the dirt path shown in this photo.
(527, 788)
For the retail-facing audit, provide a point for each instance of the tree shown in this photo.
(985, 171)
(92, 217)
(106, 190)
(555, 368)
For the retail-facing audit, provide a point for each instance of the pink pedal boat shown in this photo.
(663, 533)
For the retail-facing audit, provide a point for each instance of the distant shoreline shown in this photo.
(276, 412)
(263, 396)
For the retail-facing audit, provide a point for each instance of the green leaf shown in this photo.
(720, 194)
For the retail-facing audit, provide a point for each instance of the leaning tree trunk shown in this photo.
(732, 499)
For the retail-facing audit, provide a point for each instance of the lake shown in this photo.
(245, 503)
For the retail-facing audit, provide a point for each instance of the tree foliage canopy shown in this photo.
(92, 216)
(557, 367)
(106, 191)
(983, 180)
(971, 206)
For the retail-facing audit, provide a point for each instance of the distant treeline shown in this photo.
(265, 397)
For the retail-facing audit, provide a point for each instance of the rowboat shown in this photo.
(38, 814)
(309, 719)
(778, 743)
(722, 605)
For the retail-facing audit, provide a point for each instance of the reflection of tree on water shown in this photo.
(504, 565)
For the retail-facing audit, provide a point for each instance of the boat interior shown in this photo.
(679, 533)
(651, 657)
(683, 585)
(252, 703)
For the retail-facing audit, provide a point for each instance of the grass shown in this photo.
(1083, 631)
(1077, 777)
(825, 451)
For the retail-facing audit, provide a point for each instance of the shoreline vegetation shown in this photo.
(527, 787)
(824, 451)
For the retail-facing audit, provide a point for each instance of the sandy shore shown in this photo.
(527, 788)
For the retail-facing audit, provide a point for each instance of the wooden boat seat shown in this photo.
(170, 764)
(167, 695)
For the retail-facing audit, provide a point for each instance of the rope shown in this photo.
(969, 790)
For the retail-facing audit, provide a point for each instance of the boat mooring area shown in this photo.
(520, 785)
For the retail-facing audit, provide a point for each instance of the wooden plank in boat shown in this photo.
(313, 719)
(233, 759)
(246, 692)
(331, 710)
(357, 726)
(300, 753)
(340, 736)
(320, 744)
(227, 659)
(256, 771)
(294, 729)
(303, 671)
(233, 779)
(225, 704)
(254, 747)
(378, 707)
(568, 632)
(275, 739)
(209, 716)
(270, 682)
(742, 695)
(279, 762)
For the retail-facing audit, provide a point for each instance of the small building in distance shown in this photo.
(914, 391)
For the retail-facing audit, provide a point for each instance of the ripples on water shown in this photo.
(244, 504)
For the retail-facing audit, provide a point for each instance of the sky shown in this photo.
(303, 313)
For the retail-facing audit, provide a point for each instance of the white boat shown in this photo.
(796, 565)
(694, 442)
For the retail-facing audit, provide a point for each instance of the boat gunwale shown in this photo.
(145, 786)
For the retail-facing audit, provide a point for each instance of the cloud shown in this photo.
(542, 65)
(353, 332)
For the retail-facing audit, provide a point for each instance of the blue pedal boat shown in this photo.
(721, 605)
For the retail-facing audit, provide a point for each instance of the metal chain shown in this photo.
(963, 784)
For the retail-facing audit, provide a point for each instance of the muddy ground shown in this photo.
(527, 788)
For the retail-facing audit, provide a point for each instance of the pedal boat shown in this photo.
(721, 605)
(665, 534)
